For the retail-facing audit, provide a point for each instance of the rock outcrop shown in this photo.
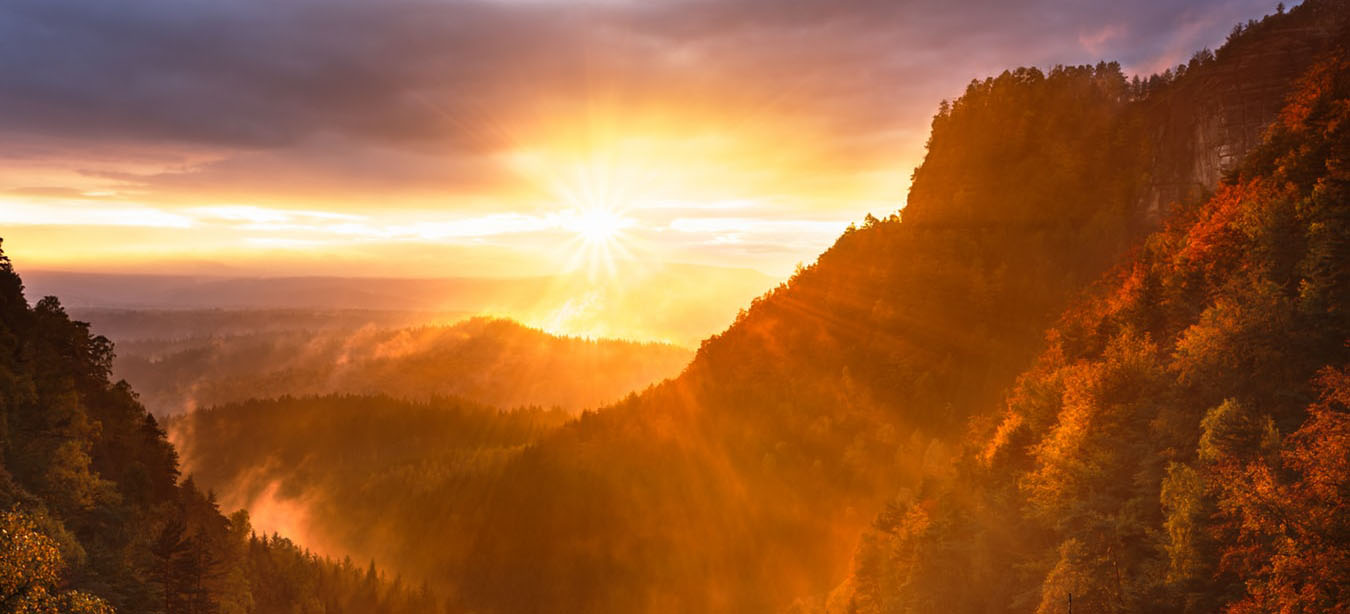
(1218, 108)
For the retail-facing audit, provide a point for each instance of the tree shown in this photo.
(1291, 517)
(30, 572)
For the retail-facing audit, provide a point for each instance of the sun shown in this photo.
(599, 238)
(598, 225)
(594, 197)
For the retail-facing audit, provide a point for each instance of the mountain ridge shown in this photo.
(495, 361)
(1180, 445)
(750, 423)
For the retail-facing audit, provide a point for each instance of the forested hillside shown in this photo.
(745, 481)
(492, 361)
(402, 482)
(93, 515)
(1183, 444)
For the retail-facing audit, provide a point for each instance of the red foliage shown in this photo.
(1293, 521)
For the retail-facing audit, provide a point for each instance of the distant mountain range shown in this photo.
(491, 361)
(679, 303)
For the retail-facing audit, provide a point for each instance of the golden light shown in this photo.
(598, 225)
(600, 238)
(594, 189)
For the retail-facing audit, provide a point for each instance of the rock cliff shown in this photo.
(1216, 109)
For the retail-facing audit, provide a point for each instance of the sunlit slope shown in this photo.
(744, 482)
(1182, 445)
(492, 361)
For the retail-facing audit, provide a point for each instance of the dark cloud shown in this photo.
(315, 166)
(277, 83)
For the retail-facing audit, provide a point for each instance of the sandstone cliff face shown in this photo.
(1208, 119)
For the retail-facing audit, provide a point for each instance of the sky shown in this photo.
(434, 138)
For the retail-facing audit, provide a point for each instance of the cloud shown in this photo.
(261, 215)
(745, 225)
(76, 213)
(811, 109)
(432, 75)
(1095, 40)
(55, 192)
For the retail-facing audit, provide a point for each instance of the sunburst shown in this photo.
(600, 238)
(598, 226)
(595, 197)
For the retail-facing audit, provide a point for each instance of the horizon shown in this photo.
(724, 146)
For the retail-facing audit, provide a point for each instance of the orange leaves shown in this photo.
(29, 561)
(1012, 423)
(1293, 526)
(1140, 462)
(1132, 290)
(1213, 245)
(1062, 461)
(1315, 86)
(30, 571)
(1106, 406)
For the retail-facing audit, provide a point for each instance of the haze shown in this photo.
(501, 138)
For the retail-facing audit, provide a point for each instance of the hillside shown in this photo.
(492, 361)
(94, 516)
(745, 481)
(352, 474)
(1181, 445)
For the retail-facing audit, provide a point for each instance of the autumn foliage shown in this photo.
(1183, 443)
